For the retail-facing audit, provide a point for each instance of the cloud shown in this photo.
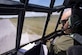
(34, 1)
(55, 13)
(16, 0)
(31, 14)
(8, 16)
(28, 14)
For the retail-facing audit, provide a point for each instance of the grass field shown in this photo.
(35, 25)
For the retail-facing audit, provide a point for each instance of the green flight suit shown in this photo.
(62, 43)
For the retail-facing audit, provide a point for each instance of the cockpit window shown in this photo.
(33, 26)
(7, 34)
(52, 23)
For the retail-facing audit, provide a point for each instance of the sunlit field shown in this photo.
(35, 25)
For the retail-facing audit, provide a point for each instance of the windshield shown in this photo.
(32, 29)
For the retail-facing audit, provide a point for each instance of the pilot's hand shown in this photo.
(66, 28)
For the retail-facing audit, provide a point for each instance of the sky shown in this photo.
(39, 2)
(45, 2)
